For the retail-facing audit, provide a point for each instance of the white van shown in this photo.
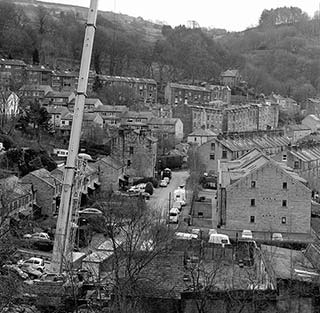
(220, 239)
(180, 196)
(174, 215)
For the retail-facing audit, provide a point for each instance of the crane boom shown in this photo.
(62, 248)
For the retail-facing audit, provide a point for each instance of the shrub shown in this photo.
(149, 188)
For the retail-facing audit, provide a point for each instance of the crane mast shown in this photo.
(62, 247)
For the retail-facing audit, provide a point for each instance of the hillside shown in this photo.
(279, 55)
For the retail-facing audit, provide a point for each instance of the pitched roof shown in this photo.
(306, 154)
(32, 87)
(59, 94)
(57, 109)
(134, 114)
(203, 133)
(45, 176)
(230, 73)
(90, 116)
(163, 121)
(111, 108)
(13, 62)
(110, 161)
(126, 79)
(188, 87)
(297, 127)
(38, 68)
(252, 161)
(244, 144)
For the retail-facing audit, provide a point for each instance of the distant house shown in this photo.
(201, 136)
(111, 114)
(111, 173)
(176, 94)
(48, 190)
(313, 122)
(312, 106)
(136, 117)
(305, 161)
(16, 198)
(38, 74)
(144, 89)
(34, 92)
(11, 71)
(137, 149)
(230, 78)
(55, 113)
(58, 98)
(262, 195)
(89, 104)
(166, 129)
(297, 131)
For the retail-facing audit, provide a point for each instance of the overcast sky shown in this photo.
(232, 15)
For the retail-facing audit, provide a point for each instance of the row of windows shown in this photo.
(253, 202)
(283, 219)
(254, 184)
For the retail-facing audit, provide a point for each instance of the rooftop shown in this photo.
(188, 87)
(244, 144)
(126, 79)
(203, 133)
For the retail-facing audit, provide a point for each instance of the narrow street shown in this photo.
(160, 200)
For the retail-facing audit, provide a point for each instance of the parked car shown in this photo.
(35, 263)
(174, 215)
(167, 179)
(37, 236)
(93, 211)
(246, 234)
(277, 236)
(177, 204)
(163, 183)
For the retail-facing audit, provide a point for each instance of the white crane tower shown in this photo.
(63, 243)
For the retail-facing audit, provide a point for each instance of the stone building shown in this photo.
(144, 89)
(230, 78)
(230, 149)
(48, 190)
(110, 172)
(137, 149)
(305, 161)
(257, 193)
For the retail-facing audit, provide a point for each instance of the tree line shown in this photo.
(280, 54)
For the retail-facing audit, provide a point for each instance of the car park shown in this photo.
(92, 211)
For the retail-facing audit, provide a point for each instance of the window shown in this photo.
(212, 156)
(252, 218)
(284, 202)
(224, 154)
(296, 165)
(253, 184)
(213, 146)
(284, 185)
(253, 202)
(284, 157)
(131, 150)
(284, 220)
(128, 163)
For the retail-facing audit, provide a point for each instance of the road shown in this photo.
(161, 195)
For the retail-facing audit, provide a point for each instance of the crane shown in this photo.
(62, 247)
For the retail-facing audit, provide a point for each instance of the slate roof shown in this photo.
(231, 73)
(13, 62)
(126, 79)
(188, 87)
(163, 121)
(57, 110)
(203, 133)
(243, 144)
(111, 108)
(108, 160)
(297, 127)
